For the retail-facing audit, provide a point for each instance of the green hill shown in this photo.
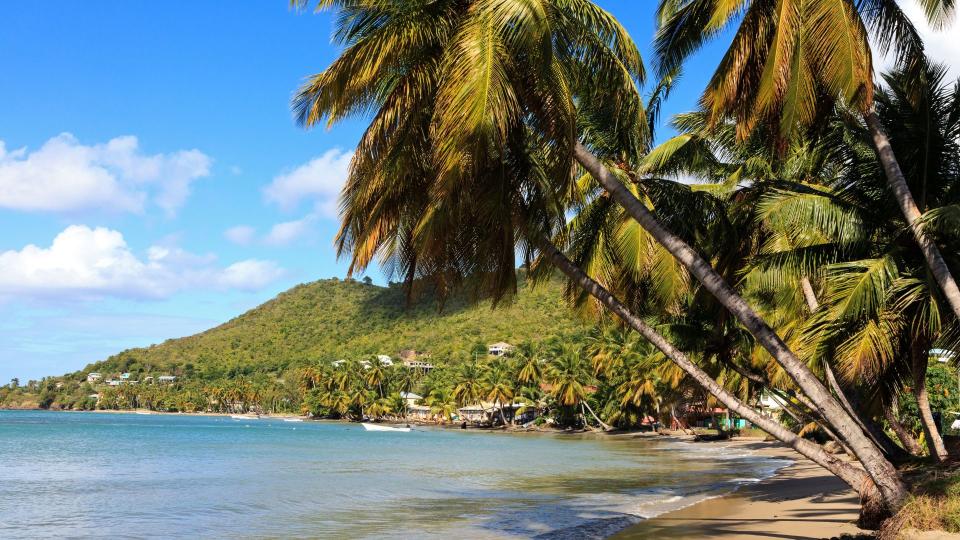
(333, 319)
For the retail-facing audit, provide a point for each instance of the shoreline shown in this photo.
(801, 501)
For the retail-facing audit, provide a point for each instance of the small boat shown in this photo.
(143, 412)
(293, 419)
(244, 417)
(375, 427)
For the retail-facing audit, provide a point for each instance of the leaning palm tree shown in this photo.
(788, 55)
(883, 311)
(469, 152)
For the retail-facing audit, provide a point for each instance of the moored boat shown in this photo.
(376, 427)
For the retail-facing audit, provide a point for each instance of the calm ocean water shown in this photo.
(127, 475)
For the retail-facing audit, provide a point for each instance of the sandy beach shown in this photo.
(800, 502)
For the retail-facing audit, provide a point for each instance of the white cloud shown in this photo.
(250, 275)
(943, 45)
(319, 180)
(283, 234)
(64, 175)
(242, 235)
(83, 262)
(280, 234)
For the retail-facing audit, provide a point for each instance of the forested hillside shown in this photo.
(333, 319)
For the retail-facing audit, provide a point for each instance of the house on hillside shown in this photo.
(385, 360)
(94, 377)
(413, 354)
(500, 348)
(418, 364)
(166, 379)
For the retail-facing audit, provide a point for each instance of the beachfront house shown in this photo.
(113, 382)
(166, 379)
(944, 356)
(500, 348)
(487, 412)
(410, 399)
(419, 412)
(94, 377)
(770, 404)
(413, 409)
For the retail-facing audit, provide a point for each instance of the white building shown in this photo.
(417, 364)
(499, 349)
(410, 398)
(385, 360)
(166, 379)
(93, 377)
(942, 355)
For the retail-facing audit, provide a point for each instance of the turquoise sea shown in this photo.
(177, 476)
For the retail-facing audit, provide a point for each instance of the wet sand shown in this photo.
(801, 502)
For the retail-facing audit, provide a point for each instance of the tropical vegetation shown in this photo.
(500, 129)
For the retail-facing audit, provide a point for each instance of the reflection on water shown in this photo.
(87, 474)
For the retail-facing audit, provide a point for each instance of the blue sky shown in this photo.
(152, 181)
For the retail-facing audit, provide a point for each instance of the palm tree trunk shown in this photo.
(605, 426)
(892, 413)
(871, 457)
(934, 442)
(809, 295)
(901, 191)
(893, 495)
(889, 448)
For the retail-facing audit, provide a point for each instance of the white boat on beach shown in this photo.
(244, 417)
(293, 419)
(143, 412)
(376, 427)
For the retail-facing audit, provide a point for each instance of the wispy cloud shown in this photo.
(241, 235)
(318, 181)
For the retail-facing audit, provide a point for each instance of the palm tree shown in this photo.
(787, 55)
(376, 374)
(469, 383)
(498, 386)
(490, 82)
(569, 374)
(529, 366)
(441, 403)
(883, 311)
